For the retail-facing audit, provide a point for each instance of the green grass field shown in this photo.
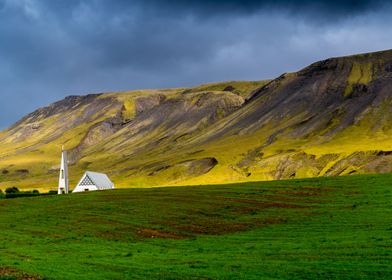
(324, 228)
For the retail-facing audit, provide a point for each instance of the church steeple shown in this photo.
(63, 178)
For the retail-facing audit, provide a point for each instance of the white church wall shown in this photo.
(85, 188)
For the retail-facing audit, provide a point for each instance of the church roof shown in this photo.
(101, 180)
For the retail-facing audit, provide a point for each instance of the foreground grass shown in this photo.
(300, 229)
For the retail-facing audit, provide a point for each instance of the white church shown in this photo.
(90, 181)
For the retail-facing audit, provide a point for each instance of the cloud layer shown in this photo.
(53, 48)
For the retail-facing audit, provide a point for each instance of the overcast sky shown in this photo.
(53, 48)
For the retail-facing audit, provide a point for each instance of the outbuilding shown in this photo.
(93, 181)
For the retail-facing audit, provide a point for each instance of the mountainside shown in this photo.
(332, 118)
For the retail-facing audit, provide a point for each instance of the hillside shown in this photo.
(322, 228)
(330, 118)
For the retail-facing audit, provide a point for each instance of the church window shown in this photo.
(86, 181)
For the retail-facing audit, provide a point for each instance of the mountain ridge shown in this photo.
(301, 124)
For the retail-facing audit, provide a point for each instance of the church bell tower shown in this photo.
(63, 178)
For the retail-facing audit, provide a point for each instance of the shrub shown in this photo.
(21, 194)
(11, 190)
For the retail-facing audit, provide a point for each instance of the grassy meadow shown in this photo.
(329, 228)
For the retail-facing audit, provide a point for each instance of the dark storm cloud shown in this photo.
(53, 48)
(217, 6)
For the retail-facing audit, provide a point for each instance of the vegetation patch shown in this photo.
(7, 273)
(361, 74)
(154, 233)
(242, 88)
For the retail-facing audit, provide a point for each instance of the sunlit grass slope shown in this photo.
(243, 88)
(324, 228)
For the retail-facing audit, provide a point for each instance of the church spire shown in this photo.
(63, 178)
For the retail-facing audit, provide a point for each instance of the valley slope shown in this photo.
(331, 118)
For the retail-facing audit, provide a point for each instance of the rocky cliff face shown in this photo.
(331, 118)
